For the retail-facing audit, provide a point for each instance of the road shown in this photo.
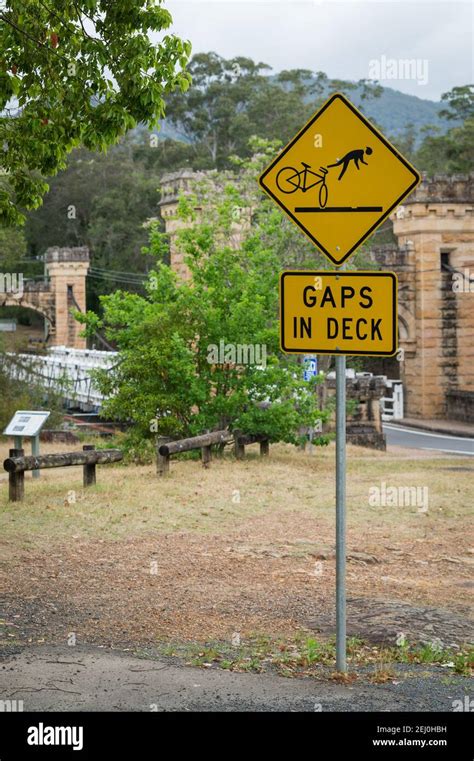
(53, 678)
(416, 439)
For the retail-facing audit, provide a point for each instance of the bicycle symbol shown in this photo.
(289, 180)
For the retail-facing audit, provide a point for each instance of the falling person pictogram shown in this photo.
(356, 156)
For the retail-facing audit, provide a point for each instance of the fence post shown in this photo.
(162, 461)
(89, 470)
(206, 456)
(239, 448)
(16, 480)
(264, 448)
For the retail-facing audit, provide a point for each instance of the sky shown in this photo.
(347, 40)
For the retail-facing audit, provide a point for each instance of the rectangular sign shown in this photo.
(338, 313)
(26, 423)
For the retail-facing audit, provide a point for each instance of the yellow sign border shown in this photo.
(356, 273)
(381, 137)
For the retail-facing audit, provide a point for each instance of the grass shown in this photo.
(131, 500)
(306, 656)
(255, 526)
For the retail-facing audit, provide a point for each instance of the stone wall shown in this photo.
(460, 406)
(364, 424)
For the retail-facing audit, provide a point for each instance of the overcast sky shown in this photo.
(343, 39)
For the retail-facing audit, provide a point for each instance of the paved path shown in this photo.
(413, 438)
(93, 679)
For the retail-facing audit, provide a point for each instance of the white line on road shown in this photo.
(447, 451)
(425, 433)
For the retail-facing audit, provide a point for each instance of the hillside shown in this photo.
(392, 112)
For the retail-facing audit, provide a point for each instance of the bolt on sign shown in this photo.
(338, 312)
(339, 178)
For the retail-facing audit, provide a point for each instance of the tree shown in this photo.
(450, 153)
(167, 155)
(406, 142)
(454, 151)
(231, 100)
(12, 248)
(460, 101)
(99, 201)
(170, 378)
(77, 72)
(214, 112)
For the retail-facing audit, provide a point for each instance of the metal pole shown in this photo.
(341, 664)
(35, 450)
(341, 513)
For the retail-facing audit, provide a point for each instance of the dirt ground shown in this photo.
(243, 547)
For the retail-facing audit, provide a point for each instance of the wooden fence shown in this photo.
(205, 442)
(16, 465)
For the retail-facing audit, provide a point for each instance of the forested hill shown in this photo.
(392, 111)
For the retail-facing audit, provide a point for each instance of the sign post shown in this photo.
(341, 513)
(338, 180)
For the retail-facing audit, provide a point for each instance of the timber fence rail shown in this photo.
(205, 442)
(17, 464)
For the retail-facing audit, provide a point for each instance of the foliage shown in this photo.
(230, 100)
(450, 153)
(167, 382)
(304, 655)
(460, 102)
(12, 248)
(453, 151)
(103, 202)
(24, 393)
(73, 73)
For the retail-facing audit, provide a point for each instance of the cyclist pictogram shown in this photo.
(290, 179)
(339, 178)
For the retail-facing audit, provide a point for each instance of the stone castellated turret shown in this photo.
(67, 270)
(172, 186)
(435, 261)
(184, 182)
(64, 291)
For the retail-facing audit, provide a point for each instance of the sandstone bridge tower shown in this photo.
(63, 290)
(434, 261)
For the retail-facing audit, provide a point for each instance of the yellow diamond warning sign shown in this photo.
(339, 178)
(338, 312)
